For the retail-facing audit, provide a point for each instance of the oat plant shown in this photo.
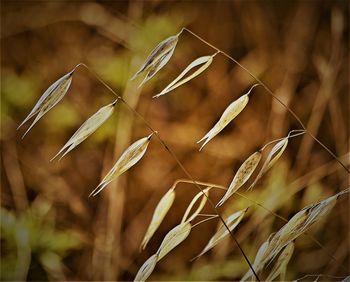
(277, 250)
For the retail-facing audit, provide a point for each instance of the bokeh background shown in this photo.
(51, 230)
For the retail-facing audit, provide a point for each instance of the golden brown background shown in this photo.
(51, 230)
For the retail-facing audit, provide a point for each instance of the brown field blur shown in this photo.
(51, 230)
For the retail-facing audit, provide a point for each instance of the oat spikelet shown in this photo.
(232, 221)
(227, 116)
(159, 213)
(128, 159)
(257, 265)
(275, 153)
(242, 175)
(174, 237)
(87, 128)
(158, 58)
(299, 224)
(199, 208)
(49, 99)
(204, 61)
(280, 266)
(147, 268)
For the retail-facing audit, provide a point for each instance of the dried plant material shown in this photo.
(242, 175)
(232, 221)
(200, 206)
(87, 128)
(128, 159)
(147, 268)
(280, 266)
(174, 237)
(257, 265)
(205, 61)
(227, 116)
(271, 159)
(297, 225)
(158, 58)
(49, 99)
(158, 216)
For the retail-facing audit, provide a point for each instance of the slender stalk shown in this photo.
(204, 220)
(175, 158)
(271, 93)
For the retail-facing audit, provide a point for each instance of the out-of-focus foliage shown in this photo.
(298, 48)
(33, 241)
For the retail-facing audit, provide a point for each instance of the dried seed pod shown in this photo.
(49, 99)
(158, 58)
(205, 61)
(87, 128)
(232, 221)
(174, 237)
(147, 268)
(242, 175)
(158, 215)
(271, 159)
(227, 116)
(281, 265)
(128, 159)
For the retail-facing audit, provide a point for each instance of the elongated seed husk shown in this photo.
(87, 128)
(49, 99)
(158, 58)
(297, 225)
(146, 269)
(275, 153)
(174, 238)
(243, 174)
(232, 221)
(281, 265)
(227, 116)
(128, 159)
(159, 213)
(204, 61)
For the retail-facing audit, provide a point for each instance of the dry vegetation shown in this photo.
(294, 219)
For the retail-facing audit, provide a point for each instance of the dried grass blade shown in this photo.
(159, 213)
(158, 57)
(128, 159)
(271, 159)
(281, 265)
(200, 206)
(174, 237)
(243, 174)
(205, 61)
(87, 128)
(49, 99)
(147, 268)
(232, 221)
(227, 116)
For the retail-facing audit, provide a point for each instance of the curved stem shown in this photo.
(300, 132)
(271, 93)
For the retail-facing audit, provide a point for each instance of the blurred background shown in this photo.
(51, 230)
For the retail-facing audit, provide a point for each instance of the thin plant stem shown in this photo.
(204, 220)
(271, 93)
(300, 132)
(175, 158)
